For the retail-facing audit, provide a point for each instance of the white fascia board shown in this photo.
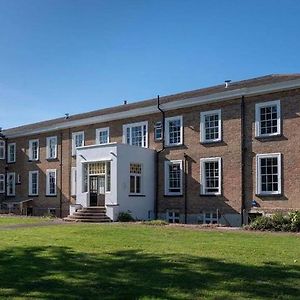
(216, 97)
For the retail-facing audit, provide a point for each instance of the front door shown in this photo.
(93, 190)
(101, 190)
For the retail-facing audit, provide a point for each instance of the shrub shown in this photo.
(156, 222)
(125, 217)
(277, 222)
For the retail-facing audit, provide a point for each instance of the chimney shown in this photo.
(227, 82)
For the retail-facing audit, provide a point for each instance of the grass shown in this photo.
(117, 261)
(7, 220)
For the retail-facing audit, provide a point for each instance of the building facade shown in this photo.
(215, 155)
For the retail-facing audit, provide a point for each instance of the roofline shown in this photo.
(189, 102)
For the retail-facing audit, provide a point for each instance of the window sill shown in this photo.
(211, 142)
(11, 162)
(33, 195)
(210, 195)
(173, 145)
(33, 160)
(173, 195)
(52, 159)
(269, 195)
(53, 196)
(268, 136)
(10, 196)
(137, 195)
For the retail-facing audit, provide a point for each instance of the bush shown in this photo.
(125, 217)
(277, 222)
(156, 223)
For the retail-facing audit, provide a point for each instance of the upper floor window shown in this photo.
(135, 178)
(173, 177)
(51, 147)
(102, 135)
(2, 183)
(77, 141)
(11, 155)
(210, 126)
(210, 173)
(174, 131)
(158, 131)
(2, 149)
(51, 182)
(33, 188)
(33, 149)
(267, 119)
(136, 134)
(268, 174)
(11, 184)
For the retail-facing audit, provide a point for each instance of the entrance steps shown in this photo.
(93, 214)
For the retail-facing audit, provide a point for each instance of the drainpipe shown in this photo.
(185, 186)
(61, 174)
(157, 157)
(243, 159)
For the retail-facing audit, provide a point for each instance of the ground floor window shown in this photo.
(51, 182)
(33, 188)
(268, 174)
(210, 176)
(2, 183)
(11, 184)
(173, 177)
(173, 216)
(135, 178)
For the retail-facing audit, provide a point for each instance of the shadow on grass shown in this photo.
(61, 273)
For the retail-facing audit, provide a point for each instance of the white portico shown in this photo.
(117, 176)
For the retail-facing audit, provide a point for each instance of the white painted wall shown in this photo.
(119, 199)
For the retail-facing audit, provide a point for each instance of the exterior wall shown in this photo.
(228, 204)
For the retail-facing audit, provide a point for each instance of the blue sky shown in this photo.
(59, 56)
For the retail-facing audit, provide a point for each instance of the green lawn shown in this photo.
(7, 220)
(115, 261)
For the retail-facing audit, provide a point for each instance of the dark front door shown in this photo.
(93, 190)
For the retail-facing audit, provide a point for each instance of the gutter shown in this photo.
(157, 157)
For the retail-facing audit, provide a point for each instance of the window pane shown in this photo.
(174, 131)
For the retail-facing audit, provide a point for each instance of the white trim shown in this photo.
(2, 180)
(73, 181)
(258, 106)
(13, 174)
(130, 125)
(2, 146)
(97, 139)
(167, 187)
(30, 193)
(202, 126)
(9, 160)
(203, 177)
(30, 154)
(48, 171)
(74, 134)
(48, 139)
(215, 97)
(167, 131)
(258, 173)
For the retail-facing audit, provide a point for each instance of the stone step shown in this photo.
(81, 213)
(87, 217)
(67, 219)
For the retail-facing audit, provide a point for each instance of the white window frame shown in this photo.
(203, 176)
(167, 186)
(73, 181)
(48, 149)
(258, 173)
(74, 134)
(48, 171)
(158, 126)
(30, 192)
(2, 180)
(9, 160)
(31, 158)
(98, 130)
(258, 106)
(167, 131)
(131, 125)
(173, 216)
(2, 147)
(203, 128)
(14, 184)
(135, 175)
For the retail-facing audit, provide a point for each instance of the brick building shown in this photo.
(218, 154)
